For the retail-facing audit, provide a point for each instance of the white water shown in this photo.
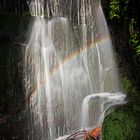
(95, 106)
(71, 76)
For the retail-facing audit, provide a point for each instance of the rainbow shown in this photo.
(91, 44)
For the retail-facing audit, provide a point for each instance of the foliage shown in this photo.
(129, 87)
(121, 11)
(118, 9)
(114, 9)
(122, 124)
(134, 36)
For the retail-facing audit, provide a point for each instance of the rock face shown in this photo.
(11, 92)
(11, 80)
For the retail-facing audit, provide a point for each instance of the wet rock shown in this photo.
(3, 120)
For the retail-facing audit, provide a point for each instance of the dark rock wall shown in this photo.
(12, 96)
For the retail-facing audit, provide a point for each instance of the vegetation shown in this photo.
(123, 123)
(114, 9)
(134, 36)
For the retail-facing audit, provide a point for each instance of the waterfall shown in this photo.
(70, 71)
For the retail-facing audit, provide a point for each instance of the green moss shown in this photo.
(120, 125)
(123, 123)
(129, 87)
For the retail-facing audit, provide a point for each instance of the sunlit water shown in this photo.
(71, 77)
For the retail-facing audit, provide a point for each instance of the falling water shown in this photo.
(70, 72)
